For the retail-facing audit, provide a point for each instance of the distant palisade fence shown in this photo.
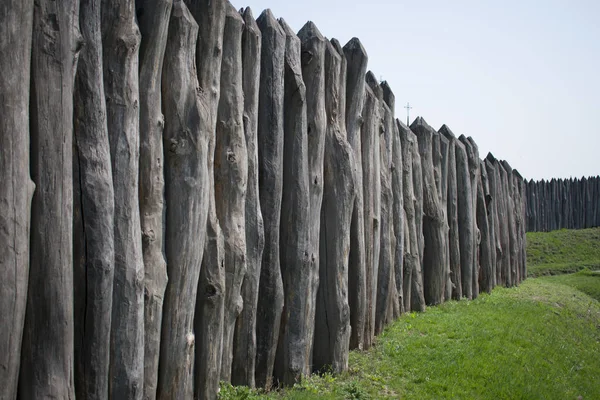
(189, 195)
(563, 204)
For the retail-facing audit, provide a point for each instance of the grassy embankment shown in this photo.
(563, 251)
(538, 341)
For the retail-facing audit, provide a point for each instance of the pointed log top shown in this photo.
(338, 47)
(419, 124)
(331, 51)
(404, 131)
(443, 138)
(355, 46)
(373, 84)
(517, 174)
(506, 166)
(286, 28)
(246, 12)
(232, 12)
(249, 20)
(447, 133)
(388, 95)
(401, 125)
(309, 31)
(491, 157)
(472, 142)
(267, 20)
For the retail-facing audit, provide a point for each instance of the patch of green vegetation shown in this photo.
(562, 251)
(586, 281)
(537, 341)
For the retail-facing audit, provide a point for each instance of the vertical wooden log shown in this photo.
(316, 148)
(231, 177)
(485, 250)
(452, 215)
(444, 153)
(186, 196)
(93, 213)
(521, 211)
(120, 46)
(434, 264)
(418, 286)
(356, 58)
(414, 299)
(210, 302)
(489, 182)
(244, 348)
(312, 59)
(47, 348)
(153, 19)
(16, 189)
(465, 220)
(332, 326)
(399, 217)
(270, 164)
(397, 206)
(293, 347)
(503, 218)
(512, 224)
(372, 201)
(473, 157)
(597, 200)
(517, 179)
(385, 276)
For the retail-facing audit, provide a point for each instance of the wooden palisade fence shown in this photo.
(189, 195)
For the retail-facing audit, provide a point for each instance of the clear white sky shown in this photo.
(521, 77)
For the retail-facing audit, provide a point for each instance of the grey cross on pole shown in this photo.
(408, 107)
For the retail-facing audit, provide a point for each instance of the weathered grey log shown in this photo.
(294, 345)
(47, 357)
(186, 196)
(17, 188)
(316, 147)
(483, 224)
(521, 222)
(473, 157)
(386, 274)
(210, 302)
(372, 201)
(597, 200)
(153, 19)
(120, 46)
(356, 61)
(332, 325)
(493, 181)
(413, 280)
(466, 217)
(270, 164)
(398, 215)
(397, 208)
(231, 178)
(512, 224)
(244, 354)
(313, 58)
(418, 294)
(93, 216)
(502, 188)
(487, 183)
(444, 145)
(434, 227)
(452, 216)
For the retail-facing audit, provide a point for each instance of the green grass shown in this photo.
(562, 251)
(538, 341)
